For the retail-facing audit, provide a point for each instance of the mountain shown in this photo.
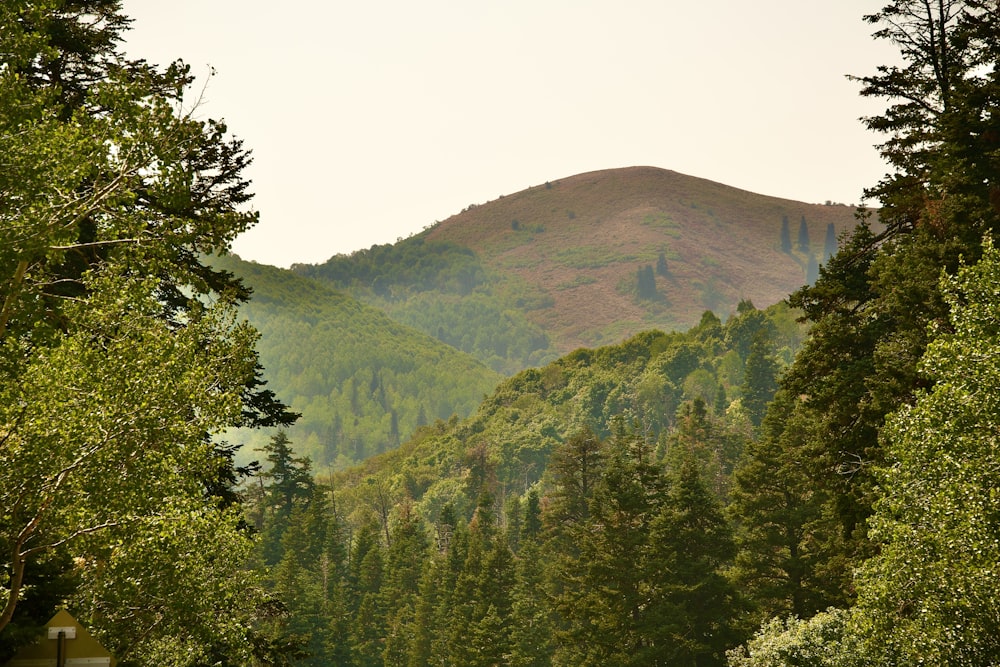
(372, 345)
(590, 260)
(362, 381)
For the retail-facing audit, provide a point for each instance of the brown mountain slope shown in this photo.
(583, 239)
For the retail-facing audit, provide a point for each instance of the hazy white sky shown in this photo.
(372, 119)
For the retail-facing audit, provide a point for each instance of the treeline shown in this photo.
(621, 561)
(586, 494)
(442, 289)
(361, 381)
(412, 264)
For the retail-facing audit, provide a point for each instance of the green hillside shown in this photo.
(493, 509)
(362, 381)
(645, 383)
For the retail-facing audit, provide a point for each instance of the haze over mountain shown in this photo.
(569, 253)
(517, 282)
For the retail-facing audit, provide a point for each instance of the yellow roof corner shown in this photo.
(65, 643)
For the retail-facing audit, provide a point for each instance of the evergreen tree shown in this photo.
(693, 606)
(661, 265)
(366, 573)
(603, 597)
(531, 527)
(875, 300)
(646, 283)
(789, 558)
(288, 483)
(760, 379)
(532, 628)
(803, 236)
(404, 567)
(812, 270)
(829, 244)
(786, 236)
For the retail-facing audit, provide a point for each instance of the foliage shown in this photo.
(414, 264)
(821, 641)
(120, 353)
(362, 382)
(929, 594)
(877, 303)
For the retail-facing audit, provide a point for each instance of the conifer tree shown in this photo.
(873, 304)
(786, 236)
(829, 243)
(532, 627)
(693, 606)
(760, 380)
(803, 236)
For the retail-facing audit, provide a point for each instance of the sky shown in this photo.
(373, 119)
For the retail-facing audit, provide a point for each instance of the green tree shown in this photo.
(803, 236)
(120, 355)
(661, 265)
(789, 558)
(646, 283)
(760, 379)
(829, 243)
(874, 300)
(288, 483)
(693, 606)
(821, 641)
(929, 593)
(603, 596)
(786, 236)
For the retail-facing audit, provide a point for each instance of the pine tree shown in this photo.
(691, 619)
(829, 245)
(874, 300)
(803, 236)
(602, 596)
(532, 629)
(661, 265)
(789, 541)
(786, 236)
(646, 283)
(286, 483)
(760, 380)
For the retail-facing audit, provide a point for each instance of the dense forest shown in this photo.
(808, 484)
(361, 381)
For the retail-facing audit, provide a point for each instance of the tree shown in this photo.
(786, 236)
(929, 594)
(289, 482)
(803, 236)
(812, 270)
(603, 591)
(760, 380)
(646, 283)
(829, 244)
(661, 265)
(789, 558)
(693, 606)
(120, 353)
(873, 304)
(821, 641)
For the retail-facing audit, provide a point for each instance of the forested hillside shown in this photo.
(753, 491)
(361, 381)
(601, 510)
(508, 537)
